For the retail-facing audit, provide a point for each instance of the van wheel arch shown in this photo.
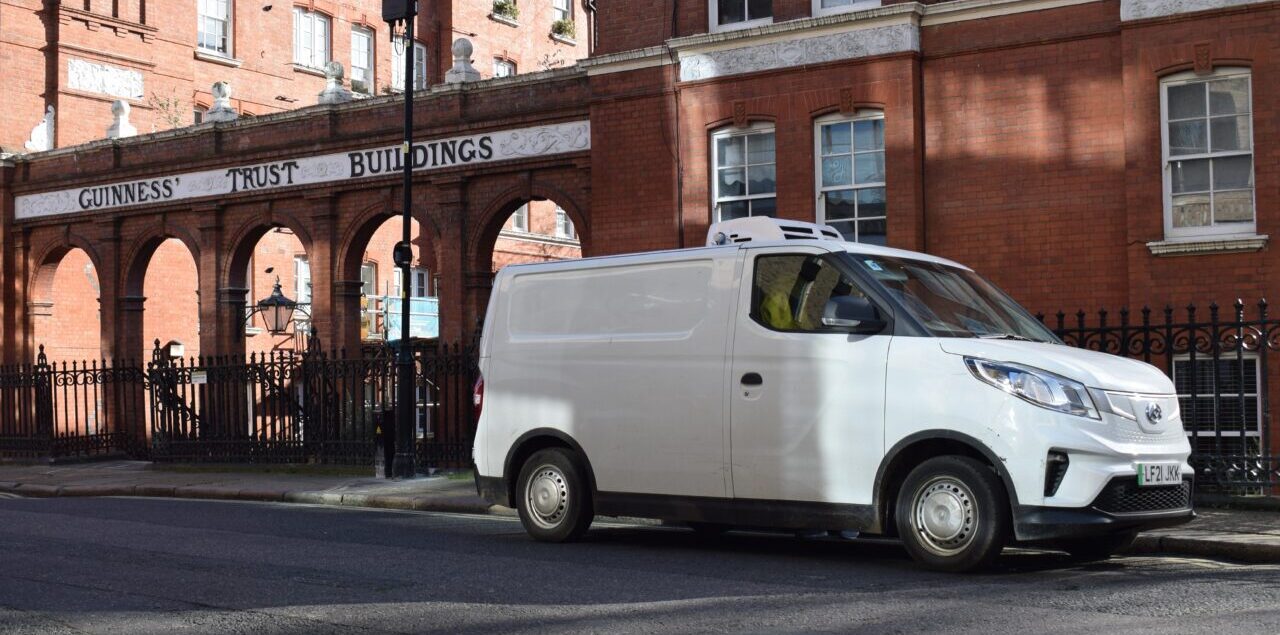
(538, 439)
(919, 447)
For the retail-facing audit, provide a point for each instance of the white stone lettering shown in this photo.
(427, 155)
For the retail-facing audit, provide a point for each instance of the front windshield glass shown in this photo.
(953, 302)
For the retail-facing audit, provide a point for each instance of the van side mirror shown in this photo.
(852, 313)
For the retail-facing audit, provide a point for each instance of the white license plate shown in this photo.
(1154, 474)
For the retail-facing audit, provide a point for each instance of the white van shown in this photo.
(783, 378)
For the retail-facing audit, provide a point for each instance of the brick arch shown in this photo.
(40, 283)
(489, 223)
(360, 230)
(242, 242)
(135, 264)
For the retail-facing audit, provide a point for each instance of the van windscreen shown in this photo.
(953, 302)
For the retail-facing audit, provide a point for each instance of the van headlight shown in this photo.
(1040, 387)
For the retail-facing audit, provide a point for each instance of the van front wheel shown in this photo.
(953, 514)
(554, 501)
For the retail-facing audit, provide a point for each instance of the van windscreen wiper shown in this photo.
(1005, 336)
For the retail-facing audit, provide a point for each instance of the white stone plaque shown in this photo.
(104, 80)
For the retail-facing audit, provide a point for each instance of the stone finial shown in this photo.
(42, 135)
(462, 70)
(221, 110)
(334, 92)
(121, 126)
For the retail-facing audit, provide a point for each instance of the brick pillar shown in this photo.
(230, 308)
(120, 317)
(19, 332)
(12, 273)
(451, 259)
(320, 253)
(213, 330)
(128, 344)
(345, 326)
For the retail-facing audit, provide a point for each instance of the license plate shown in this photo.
(1155, 474)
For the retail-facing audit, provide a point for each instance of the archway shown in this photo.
(171, 306)
(66, 317)
(266, 256)
(372, 286)
(535, 231)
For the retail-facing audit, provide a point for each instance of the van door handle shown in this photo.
(752, 379)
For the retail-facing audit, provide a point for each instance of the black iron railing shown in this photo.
(1221, 367)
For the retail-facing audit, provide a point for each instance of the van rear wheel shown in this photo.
(953, 514)
(553, 499)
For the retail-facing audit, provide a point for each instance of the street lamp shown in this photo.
(277, 310)
(402, 466)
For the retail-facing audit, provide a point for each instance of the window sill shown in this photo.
(502, 19)
(564, 39)
(1209, 245)
(740, 26)
(250, 331)
(206, 56)
(301, 68)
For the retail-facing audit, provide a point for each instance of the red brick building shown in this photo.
(1082, 153)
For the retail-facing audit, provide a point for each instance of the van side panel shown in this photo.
(628, 359)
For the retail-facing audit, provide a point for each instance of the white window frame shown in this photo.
(358, 31)
(302, 292)
(1249, 433)
(198, 114)
(227, 25)
(753, 129)
(713, 18)
(561, 13)
(857, 5)
(320, 50)
(1226, 230)
(419, 64)
(520, 219)
(564, 224)
(501, 62)
(418, 279)
(820, 192)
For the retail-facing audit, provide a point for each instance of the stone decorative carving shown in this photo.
(221, 110)
(104, 80)
(740, 113)
(1142, 9)
(121, 126)
(1204, 58)
(813, 50)
(41, 138)
(462, 70)
(846, 101)
(546, 140)
(334, 92)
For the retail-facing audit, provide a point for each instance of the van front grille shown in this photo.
(1123, 496)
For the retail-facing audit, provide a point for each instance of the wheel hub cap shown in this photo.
(946, 516)
(547, 496)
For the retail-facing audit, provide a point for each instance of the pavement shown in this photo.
(1229, 534)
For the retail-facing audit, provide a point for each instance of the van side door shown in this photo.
(807, 400)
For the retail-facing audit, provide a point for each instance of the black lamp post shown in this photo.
(402, 466)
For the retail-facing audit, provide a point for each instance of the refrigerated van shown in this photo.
(783, 378)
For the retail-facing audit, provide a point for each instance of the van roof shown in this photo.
(674, 254)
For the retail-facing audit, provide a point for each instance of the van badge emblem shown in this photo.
(1154, 412)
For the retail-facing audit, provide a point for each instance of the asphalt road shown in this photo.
(120, 565)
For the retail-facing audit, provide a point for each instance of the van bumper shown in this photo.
(493, 489)
(1121, 507)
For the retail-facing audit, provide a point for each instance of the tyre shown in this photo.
(953, 514)
(1097, 547)
(553, 498)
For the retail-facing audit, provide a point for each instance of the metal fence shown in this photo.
(1220, 366)
(53, 410)
(282, 407)
(311, 407)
